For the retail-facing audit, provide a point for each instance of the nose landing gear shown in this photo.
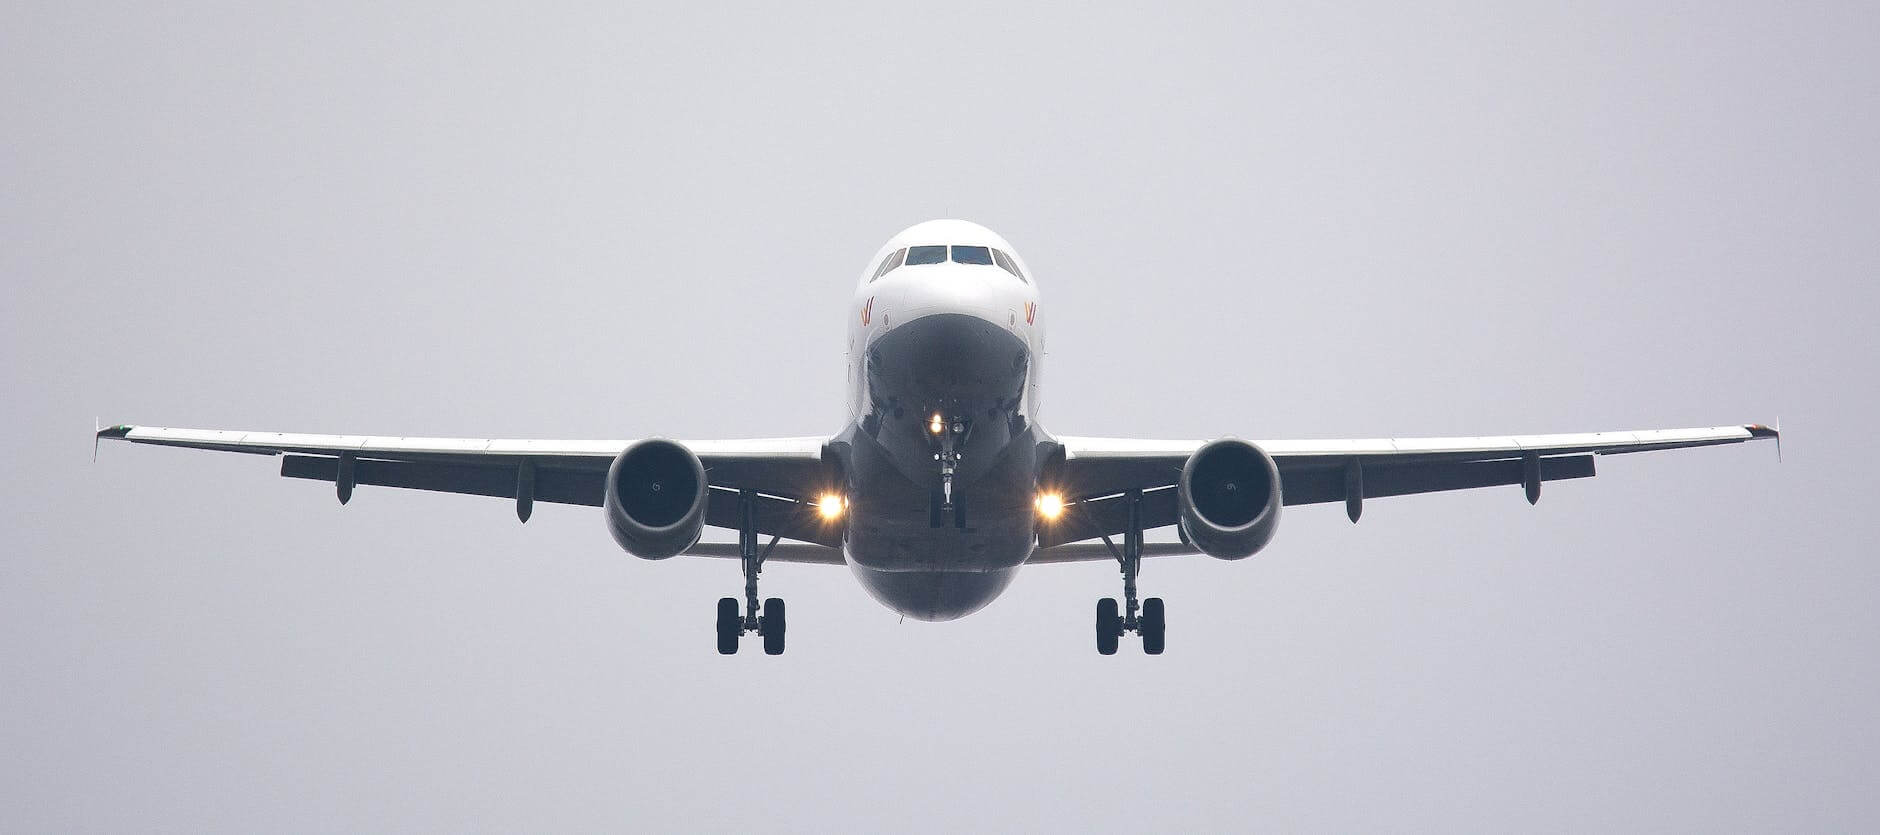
(1146, 619)
(768, 621)
(951, 435)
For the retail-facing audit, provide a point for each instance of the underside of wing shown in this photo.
(1095, 472)
(782, 473)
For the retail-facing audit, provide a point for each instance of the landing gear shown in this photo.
(769, 622)
(1147, 618)
(772, 627)
(1154, 626)
(949, 436)
(730, 625)
(1109, 626)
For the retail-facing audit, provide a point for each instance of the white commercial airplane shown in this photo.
(943, 482)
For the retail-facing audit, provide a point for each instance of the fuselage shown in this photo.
(943, 376)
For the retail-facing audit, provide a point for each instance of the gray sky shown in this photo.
(616, 222)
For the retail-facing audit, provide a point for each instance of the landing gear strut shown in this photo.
(1145, 619)
(951, 434)
(769, 621)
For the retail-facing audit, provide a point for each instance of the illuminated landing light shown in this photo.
(831, 506)
(1050, 505)
(936, 425)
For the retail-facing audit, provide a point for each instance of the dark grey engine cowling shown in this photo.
(656, 496)
(1230, 499)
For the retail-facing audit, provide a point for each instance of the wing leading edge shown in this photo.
(786, 472)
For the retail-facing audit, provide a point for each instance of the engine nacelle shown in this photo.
(1230, 499)
(656, 495)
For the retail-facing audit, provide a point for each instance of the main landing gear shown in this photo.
(769, 621)
(1147, 619)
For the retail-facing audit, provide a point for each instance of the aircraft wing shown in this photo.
(786, 472)
(1094, 470)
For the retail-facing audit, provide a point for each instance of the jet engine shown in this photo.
(1230, 499)
(656, 495)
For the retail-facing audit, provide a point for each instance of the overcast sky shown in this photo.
(635, 219)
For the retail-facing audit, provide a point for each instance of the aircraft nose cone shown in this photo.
(934, 595)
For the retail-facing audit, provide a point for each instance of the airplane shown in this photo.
(942, 483)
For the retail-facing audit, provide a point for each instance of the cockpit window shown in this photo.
(960, 254)
(889, 263)
(1006, 263)
(972, 255)
(917, 255)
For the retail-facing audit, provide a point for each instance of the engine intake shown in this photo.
(1230, 499)
(656, 496)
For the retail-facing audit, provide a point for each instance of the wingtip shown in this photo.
(99, 434)
(1757, 430)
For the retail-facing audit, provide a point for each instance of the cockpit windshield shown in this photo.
(914, 256)
(917, 255)
(972, 255)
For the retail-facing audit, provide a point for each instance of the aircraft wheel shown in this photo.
(729, 625)
(773, 625)
(1109, 626)
(1154, 626)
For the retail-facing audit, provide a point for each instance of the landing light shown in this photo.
(1050, 505)
(936, 425)
(831, 506)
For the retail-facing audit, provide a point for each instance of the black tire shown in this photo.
(1109, 626)
(1154, 626)
(729, 625)
(773, 626)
